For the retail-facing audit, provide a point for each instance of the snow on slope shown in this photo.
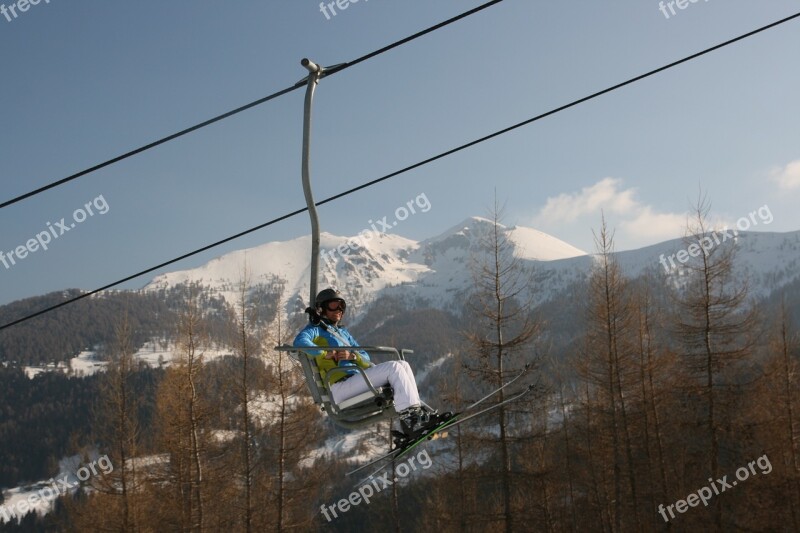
(528, 242)
(86, 364)
(538, 246)
(358, 267)
(82, 365)
(436, 271)
(767, 260)
(39, 497)
(448, 257)
(158, 354)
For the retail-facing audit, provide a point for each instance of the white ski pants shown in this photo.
(398, 374)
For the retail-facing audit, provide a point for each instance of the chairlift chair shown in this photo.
(377, 403)
(362, 410)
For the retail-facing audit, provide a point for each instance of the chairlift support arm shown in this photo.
(314, 74)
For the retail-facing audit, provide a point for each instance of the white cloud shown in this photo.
(602, 195)
(788, 177)
(635, 223)
(650, 226)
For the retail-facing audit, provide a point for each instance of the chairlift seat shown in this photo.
(361, 410)
(367, 396)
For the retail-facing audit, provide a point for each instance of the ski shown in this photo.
(476, 404)
(376, 460)
(399, 449)
(457, 419)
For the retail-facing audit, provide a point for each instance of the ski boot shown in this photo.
(417, 421)
(436, 418)
(399, 440)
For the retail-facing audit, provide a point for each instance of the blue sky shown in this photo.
(85, 81)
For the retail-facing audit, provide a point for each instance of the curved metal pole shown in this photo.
(315, 71)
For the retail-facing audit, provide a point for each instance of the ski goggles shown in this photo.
(335, 305)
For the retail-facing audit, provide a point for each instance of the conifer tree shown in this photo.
(608, 366)
(115, 503)
(184, 432)
(715, 326)
(500, 308)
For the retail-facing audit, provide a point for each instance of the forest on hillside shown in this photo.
(90, 322)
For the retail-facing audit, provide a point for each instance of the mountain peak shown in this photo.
(529, 243)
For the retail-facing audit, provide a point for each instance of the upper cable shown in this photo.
(328, 72)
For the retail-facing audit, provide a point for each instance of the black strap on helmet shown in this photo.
(313, 316)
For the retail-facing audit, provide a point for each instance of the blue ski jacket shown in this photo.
(315, 335)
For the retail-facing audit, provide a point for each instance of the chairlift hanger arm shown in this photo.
(314, 73)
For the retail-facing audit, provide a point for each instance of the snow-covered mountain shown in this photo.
(435, 271)
(360, 272)
(366, 265)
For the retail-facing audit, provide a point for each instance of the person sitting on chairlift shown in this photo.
(324, 330)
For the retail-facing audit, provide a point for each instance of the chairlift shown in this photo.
(377, 403)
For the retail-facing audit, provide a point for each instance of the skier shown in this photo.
(324, 330)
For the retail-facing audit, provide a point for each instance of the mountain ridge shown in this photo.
(436, 270)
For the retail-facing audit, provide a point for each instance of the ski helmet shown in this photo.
(326, 296)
